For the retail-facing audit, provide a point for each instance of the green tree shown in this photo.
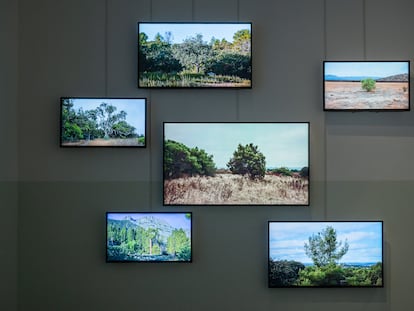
(107, 118)
(153, 236)
(179, 244)
(122, 130)
(179, 160)
(205, 164)
(231, 64)
(304, 172)
(324, 249)
(193, 53)
(368, 84)
(248, 160)
(157, 55)
(242, 41)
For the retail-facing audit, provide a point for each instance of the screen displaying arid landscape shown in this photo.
(103, 122)
(201, 55)
(375, 85)
(236, 163)
(325, 254)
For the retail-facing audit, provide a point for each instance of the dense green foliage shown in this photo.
(194, 62)
(324, 249)
(102, 122)
(180, 161)
(284, 272)
(130, 242)
(368, 84)
(248, 160)
(304, 172)
(283, 171)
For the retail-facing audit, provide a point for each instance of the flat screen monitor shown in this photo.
(325, 254)
(194, 55)
(366, 85)
(236, 163)
(148, 237)
(102, 122)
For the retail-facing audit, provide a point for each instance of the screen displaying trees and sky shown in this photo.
(325, 254)
(236, 163)
(194, 55)
(103, 122)
(366, 85)
(148, 237)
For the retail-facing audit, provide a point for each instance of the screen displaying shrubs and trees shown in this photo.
(236, 163)
(152, 237)
(194, 55)
(103, 122)
(325, 254)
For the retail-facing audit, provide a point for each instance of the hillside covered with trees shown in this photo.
(155, 240)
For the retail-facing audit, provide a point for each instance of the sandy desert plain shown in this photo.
(350, 95)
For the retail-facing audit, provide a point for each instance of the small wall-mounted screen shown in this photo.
(325, 254)
(102, 122)
(366, 85)
(148, 237)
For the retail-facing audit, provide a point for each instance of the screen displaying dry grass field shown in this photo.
(236, 163)
(371, 85)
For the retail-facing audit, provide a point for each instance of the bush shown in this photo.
(368, 84)
(179, 161)
(248, 160)
(284, 272)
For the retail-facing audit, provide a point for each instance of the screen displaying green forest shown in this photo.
(148, 237)
(325, 254)
(201, 55)
(103, 122)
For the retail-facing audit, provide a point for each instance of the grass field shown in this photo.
(229, 189)
(100, 142)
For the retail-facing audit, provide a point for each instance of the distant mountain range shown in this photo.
(164, 228)
(394, 78)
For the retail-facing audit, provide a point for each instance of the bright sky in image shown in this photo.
(374, 69)
(176, 220)
(181, 31)
(287, 240)
(135, 109)
(283, 144)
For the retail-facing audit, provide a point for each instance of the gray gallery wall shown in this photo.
(8, 154)
(53, 200)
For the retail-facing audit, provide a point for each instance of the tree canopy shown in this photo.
(180, 160)
(248, 160)
(324, 249)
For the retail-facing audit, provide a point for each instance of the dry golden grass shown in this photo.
(225, 189)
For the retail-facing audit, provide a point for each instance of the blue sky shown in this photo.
(176, 220)
(184, 30)
(287, 240)
(374, 69)
(135, 109)
(283, 144)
